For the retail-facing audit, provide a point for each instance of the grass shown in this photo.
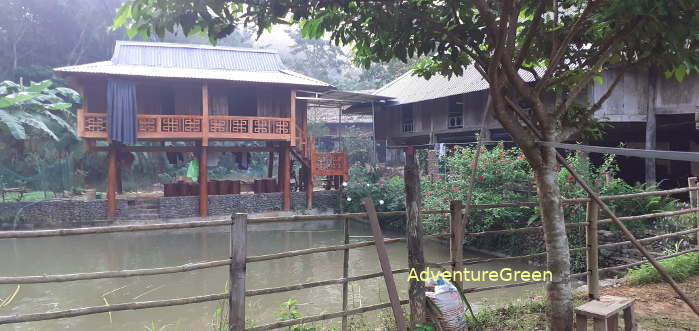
(679, 267)
(29, 196)
(530, 315)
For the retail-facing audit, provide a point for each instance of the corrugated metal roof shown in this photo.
(166, 60)
(409, 88)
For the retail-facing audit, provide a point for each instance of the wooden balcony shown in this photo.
(94, 125)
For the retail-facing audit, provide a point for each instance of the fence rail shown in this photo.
(237, 262)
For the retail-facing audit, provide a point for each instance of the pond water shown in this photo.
(89, 253)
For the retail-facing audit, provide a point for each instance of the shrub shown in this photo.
(679, 267)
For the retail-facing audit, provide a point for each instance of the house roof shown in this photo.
(409, 88)
(168, 60)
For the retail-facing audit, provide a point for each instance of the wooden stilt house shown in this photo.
(151, 95)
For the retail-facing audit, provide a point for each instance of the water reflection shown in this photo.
(167, 248)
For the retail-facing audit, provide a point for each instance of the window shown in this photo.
(456, 112)
(407, 118)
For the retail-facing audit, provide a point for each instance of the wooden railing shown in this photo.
(94, 125)
(238, 260)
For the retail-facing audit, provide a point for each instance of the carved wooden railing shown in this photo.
(94, 125)
(329, 164)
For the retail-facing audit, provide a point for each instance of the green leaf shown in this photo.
(598, 79)
(13, 124)
(16, 98)
(39, 87)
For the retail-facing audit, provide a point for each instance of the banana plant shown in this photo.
(36, 106)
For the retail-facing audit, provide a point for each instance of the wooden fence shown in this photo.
(238, 260)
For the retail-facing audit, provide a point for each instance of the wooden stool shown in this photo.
(605, 313)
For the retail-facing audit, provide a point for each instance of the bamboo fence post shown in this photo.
(416, 256)
(694, 203)
(456, 242)
(236, 298)
(385, 264)
(345, 275)
(592, 241)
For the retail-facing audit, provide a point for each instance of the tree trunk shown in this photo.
(558, 257)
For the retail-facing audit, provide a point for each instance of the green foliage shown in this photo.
(679, 267)
(35, 106)
(289, 311)
(388, 193)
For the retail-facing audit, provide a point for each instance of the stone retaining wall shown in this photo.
(177, 207)
(75, 213)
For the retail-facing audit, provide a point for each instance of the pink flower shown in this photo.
(521, 156)
(445, 230)
(382, 180)
(382, 185)
(456, 189)
(473, 164)
(482, 177)
(437, 176)
(502, 154)
(427, 194)
(481, 150)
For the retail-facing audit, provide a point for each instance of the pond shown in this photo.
(89, 253)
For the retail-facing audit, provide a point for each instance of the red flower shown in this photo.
(482, 178)
(556, 170)
(381, 180)
(481, 150)
(427, 194)
(521, 156)
(456, 189)
(570, 177)
(502, 154)
(473, 164)
(445, 230)
(437, 176)
(573, 211)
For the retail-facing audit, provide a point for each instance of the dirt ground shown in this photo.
(658, 307)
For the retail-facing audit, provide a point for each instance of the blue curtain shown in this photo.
(121, 111)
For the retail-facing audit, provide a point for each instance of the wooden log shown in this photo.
(308, 187)
(285, 177)
(592, 242)
(109, 229)
(112, 274)
(322, 317)
(111, 181)
(651, 127)
(456, 241)
(416, 256)
(307, 251)
(345, 274)
(113, 307)
(203, 182)
(385, 264)
(694, 203)
(238, 251)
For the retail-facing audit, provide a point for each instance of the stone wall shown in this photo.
(75, 213)
(177, 207)
(56, 213)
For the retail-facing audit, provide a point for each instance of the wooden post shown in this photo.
(456, 246)
(285, 176)
(651, 127)
(205, 114)
(416, 257)
(694, 202)
(203, 183)
(309, 187)
(385, 263)
(111, 181)
(270, 161)
(236, 272)
(345, 275)
(292, 115)
(592, 241)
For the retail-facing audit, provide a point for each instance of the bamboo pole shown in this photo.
(651, 239)
(592, 241)
(385, 264)
(345, 274)
(112, 274)
(113, 307)
(238, 251)
(663, 273)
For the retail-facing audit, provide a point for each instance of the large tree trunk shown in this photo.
(558, 257)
